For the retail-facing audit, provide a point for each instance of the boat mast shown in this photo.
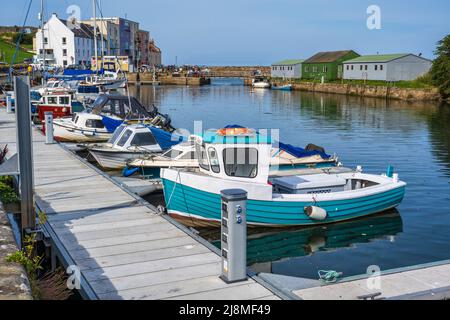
(95, 34)
(101, 35)
(41, 18)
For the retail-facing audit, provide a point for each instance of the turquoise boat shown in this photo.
(299, 197)
(287, 87)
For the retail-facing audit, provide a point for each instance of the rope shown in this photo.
(329, 276)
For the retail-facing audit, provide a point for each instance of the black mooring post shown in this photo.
(25, 153)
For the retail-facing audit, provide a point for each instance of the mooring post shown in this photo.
(8, 104)
(25, 152)
(49, 128)
(234, 235)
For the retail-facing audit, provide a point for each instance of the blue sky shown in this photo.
(250, 32)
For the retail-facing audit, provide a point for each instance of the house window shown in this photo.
(306, 69)
(325, 69)
(64, 40)
(381, 67)
(64, 63)
(376, 67)
(46, 40)
(314, 69)
(365, 67)
(352, 67)
(360, 67)
(64, 52)
(348, 67)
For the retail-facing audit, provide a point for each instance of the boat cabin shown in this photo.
(122, 106)
(237, 154)
(184, 151)
(134, 138)
(59, 103)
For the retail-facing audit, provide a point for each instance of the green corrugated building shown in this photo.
(326, 64)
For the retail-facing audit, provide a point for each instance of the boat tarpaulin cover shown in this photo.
(300, 152)
(72, 72)
(165, 139)
(111, 124)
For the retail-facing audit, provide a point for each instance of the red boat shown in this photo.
(60, 103)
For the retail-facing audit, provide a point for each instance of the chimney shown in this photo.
(54, 15)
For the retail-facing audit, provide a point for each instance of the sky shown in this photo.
(260, 32)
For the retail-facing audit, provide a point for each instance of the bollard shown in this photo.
(234, 235)
(8, 104)
(49, 128)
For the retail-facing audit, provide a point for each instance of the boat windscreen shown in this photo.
(116, 134)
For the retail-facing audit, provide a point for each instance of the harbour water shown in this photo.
(413, 137)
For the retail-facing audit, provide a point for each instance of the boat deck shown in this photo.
(122, 248)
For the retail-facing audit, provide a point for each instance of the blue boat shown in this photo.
(301, 197)
(287, 87)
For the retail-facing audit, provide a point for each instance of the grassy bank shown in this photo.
(7, 53)
(420, 83)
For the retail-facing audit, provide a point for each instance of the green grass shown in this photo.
(7, 52)
(423, 82)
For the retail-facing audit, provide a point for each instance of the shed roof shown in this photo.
(328, 56)
(379, 58)
(288, 62)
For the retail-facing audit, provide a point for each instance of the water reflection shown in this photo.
(274, 245)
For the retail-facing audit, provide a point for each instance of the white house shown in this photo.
(65, 43)
(289, 69)
(386, 67)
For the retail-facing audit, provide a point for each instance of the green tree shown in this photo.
(440, 71)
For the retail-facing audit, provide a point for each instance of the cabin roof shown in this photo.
(379, 58)
(213, 137)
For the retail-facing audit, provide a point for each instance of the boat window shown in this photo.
(172, 154)
(52, 100)
(202, 157)
(241, 162)
(64, 100)
(125, 138)
(143, 139)
(214, 160)
(101, 99)
(94, 123)
(189, 156)
(116, 134)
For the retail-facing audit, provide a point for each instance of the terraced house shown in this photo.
(328, 65)
(386, 67)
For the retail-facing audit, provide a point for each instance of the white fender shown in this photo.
(316, 213)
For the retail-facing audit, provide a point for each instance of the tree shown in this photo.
(440, 71)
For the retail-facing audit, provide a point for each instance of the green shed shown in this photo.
(328, 64)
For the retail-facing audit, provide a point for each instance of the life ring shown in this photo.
(233, 131)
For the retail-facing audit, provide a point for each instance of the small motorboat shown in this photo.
(107, 113)
(287, 87)
(130, 142)
(300, 197)
(260, 83)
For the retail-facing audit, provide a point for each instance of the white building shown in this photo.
(288, 69)
(66, 43)
(386, 67)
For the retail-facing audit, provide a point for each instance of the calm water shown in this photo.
(413, 137)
